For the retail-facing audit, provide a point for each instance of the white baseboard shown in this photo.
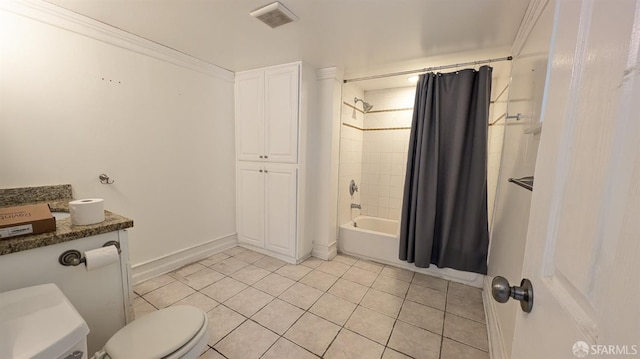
(175, 260)
(496, 342)
(324, 252)
(269, 253)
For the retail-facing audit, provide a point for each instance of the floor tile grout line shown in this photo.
(217, 351)
(444, 318)
(466, 345)
(343, 326)
(473, 320)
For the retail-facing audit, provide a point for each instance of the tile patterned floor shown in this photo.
(261, 307)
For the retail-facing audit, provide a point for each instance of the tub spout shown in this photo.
(355, 205)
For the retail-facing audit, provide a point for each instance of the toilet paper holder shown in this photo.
(73, 257)
(104, 179)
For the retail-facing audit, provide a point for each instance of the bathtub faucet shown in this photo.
(355, 205)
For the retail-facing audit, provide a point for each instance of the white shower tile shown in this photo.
(398, 146)
(398, 158)
(386, 157)
(397, 180)
(374, 157)
(396, 192)
(398, 168)
(394, 213)
(374, 167)
(385, 168)
(394, 202)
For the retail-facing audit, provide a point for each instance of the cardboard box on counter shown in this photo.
(29, 219)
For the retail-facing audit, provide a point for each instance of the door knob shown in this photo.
(502, 291)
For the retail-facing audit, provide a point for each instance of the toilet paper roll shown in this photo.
(101, 257)
(86, 211)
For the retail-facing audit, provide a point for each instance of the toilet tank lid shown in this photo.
(38, 322)
(157, 334)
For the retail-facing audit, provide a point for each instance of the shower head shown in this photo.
(365, 105)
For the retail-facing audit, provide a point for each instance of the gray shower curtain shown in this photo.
(444, 213)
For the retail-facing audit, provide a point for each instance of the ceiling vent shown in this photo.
(274, 15)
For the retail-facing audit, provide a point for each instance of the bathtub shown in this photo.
(377, 239)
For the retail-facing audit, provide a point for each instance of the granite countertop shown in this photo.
(65, 231)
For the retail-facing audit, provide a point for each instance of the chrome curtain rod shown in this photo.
(428, 69)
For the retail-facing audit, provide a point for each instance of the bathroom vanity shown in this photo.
(102, 296)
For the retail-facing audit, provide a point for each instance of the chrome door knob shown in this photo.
(502, 291)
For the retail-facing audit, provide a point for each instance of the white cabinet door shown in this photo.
(280, 208)
(249, 107)
(250, 215)
(281, 114)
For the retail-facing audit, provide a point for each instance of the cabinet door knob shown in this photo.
(261, 156)
(266, 156)
(265, 171)
(260, 171)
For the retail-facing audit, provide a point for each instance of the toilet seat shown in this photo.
(168, 333)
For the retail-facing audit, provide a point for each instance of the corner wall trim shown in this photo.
(496, 341)
(323, 251)
(155, 267)
(531, 16)
(68, 20)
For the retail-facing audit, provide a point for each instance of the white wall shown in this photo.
(511, 216)
(78, 99)
(495, 134)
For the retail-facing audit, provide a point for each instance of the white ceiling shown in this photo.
(362, 37)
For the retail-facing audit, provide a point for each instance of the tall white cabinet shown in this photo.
(267, 114)
(268, 169)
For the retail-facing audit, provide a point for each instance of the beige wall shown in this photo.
(159, 123)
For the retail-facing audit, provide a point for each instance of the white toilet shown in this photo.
(39, 322)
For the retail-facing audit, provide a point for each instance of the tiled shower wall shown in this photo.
(384, 150)
(350, 152)
(375, 154)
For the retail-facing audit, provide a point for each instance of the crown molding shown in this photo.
(68, 20)
(531, 16)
